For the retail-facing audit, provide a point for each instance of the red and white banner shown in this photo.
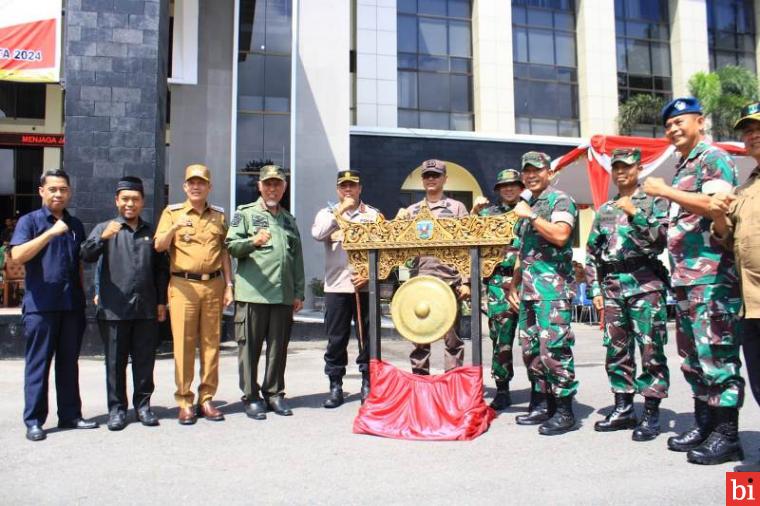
(30, 40)
(654, 152)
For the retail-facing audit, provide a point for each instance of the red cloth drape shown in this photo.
(653, 153)
(445, 407)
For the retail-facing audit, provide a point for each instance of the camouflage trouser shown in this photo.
(707, 341)
(547, 345)
(502, 330)
(639, 319)
(502, 324)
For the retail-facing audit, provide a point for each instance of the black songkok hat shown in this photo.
(130, 183)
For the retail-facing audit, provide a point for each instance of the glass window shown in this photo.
(22, 100)
(407, 34)
(434, 92)
(407, 6)
(541, 44)
(643, 50)
(546, 78)
(433, 38)
(460, 39)
(731, 33)
(263, 122)
(435, 7)
(407, 90)
(435, 64)
(434, 120)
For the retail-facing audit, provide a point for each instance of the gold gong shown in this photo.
(423, 309)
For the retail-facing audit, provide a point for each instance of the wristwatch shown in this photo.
(532, 217)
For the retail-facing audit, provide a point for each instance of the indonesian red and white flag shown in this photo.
(30, 40)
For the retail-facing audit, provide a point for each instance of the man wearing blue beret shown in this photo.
(706, 287)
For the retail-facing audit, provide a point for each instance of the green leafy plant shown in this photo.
(641, 109)
(722, 94)
(317, 287)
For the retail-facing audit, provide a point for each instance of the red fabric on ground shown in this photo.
(445, 407)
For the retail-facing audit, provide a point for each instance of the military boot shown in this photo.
(723, 444)
(502, 399)
(540, 409)
(365, 385)
(336, 393)
(623, 417)
(697, 433)
(649, 426)
(563, 419)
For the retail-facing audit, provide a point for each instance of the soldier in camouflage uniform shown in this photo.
(545, 279)
(502, 319)
(625, 278)
(706, 288)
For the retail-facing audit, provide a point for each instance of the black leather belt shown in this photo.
(197, 277)
(624, 266)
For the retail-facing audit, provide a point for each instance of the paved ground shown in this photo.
(314, 458)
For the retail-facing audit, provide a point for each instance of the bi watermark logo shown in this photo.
(742, 489)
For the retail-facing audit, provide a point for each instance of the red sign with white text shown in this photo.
(30, 34)
(742, 489)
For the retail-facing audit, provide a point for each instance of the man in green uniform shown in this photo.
(706, 287)
(626, 279)
(544, 277)
(502, 319)
(269, 282)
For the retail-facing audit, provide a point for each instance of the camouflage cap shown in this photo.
(197, 170)
(628, 156)
(271, 172)
(507, 176)
(536, 159)
(750, 112)
(433, 165)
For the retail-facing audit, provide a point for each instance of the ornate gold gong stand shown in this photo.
(474, 245)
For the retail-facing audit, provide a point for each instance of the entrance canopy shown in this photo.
(658, 156)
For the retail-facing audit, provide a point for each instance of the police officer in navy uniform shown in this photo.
(47, 242)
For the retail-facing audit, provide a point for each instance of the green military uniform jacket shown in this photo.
(272, 273)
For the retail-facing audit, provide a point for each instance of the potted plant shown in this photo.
(317, 287)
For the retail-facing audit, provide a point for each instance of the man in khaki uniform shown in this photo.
(433, 180)
(735, 226)
(193, 233)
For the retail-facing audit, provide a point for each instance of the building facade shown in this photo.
(377, 85)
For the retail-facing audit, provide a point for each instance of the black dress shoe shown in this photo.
(117, 420)
(35, 433)
(147, 417)
(78, 423)
(279, 406)
(256, 410)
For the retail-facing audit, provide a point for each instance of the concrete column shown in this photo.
(116, 55)
(688, 42)
(493, 79)
(597, 67)
(202, 113)
(320, 144)
(376, 63)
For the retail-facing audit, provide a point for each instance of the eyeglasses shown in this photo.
(431, 175)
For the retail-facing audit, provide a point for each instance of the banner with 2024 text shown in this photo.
(30, 40)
